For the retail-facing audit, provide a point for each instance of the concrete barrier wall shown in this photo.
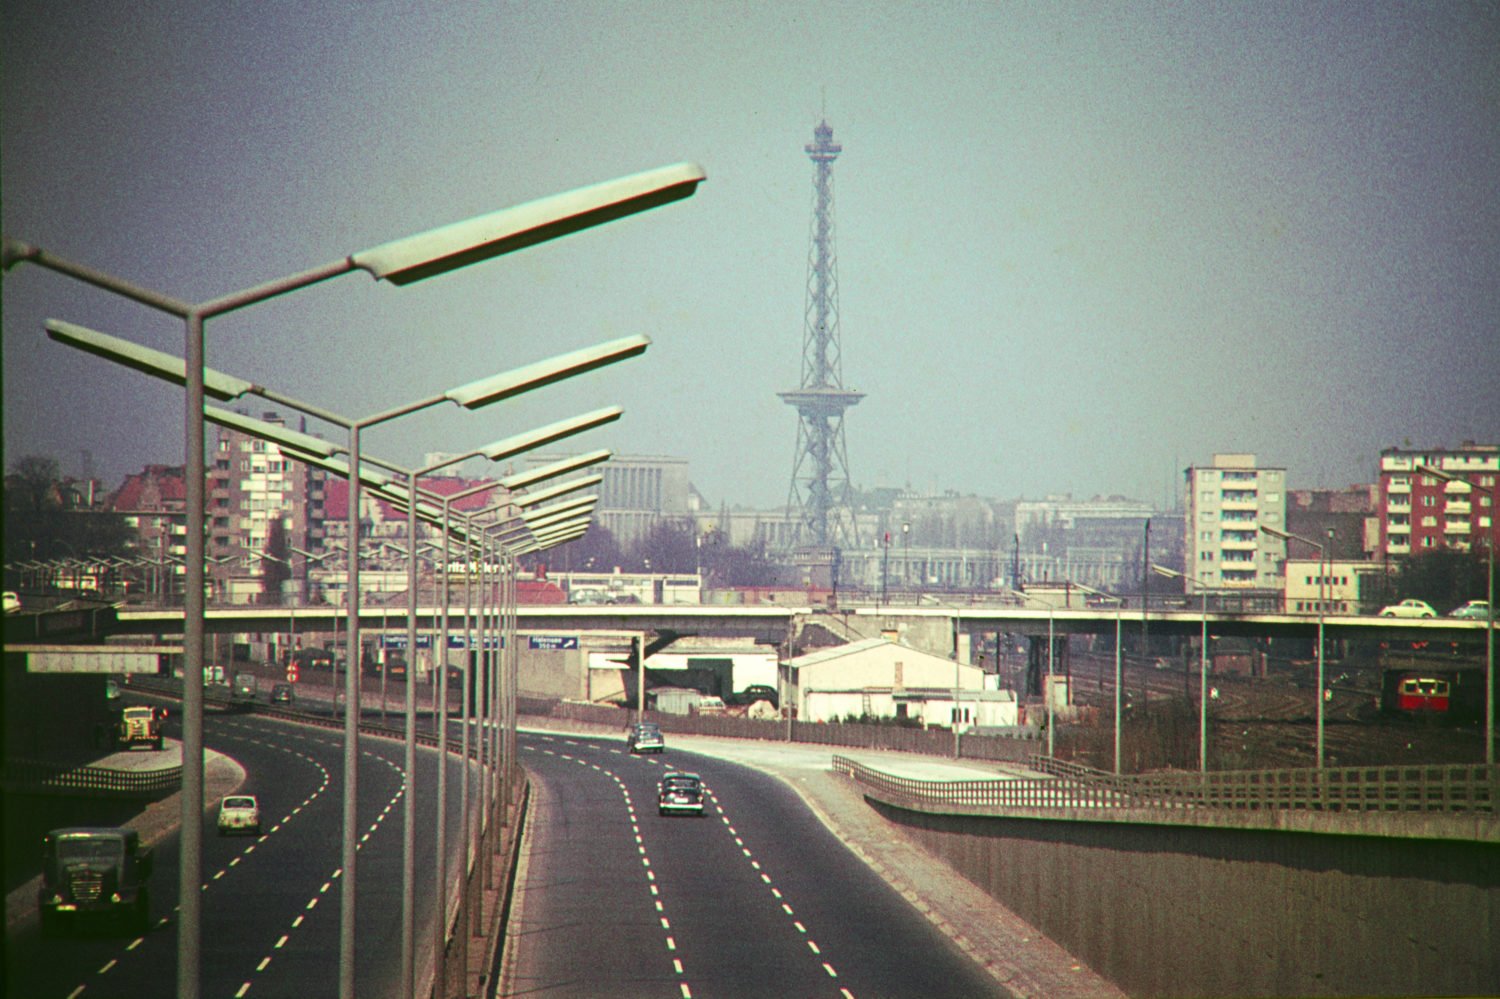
(1182, 910)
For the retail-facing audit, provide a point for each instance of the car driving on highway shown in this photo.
(1409, 608)
(679, 793)
(1474, 610)
(239, 813)
(645, 738)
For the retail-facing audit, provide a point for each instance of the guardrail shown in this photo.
(36, 777)
(1452, 790)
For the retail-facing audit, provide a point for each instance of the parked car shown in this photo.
(239, 813)
(283, 693)
(679, 793)
(1474, 610)
(1409, 608)
(12, 602)
(645, 738)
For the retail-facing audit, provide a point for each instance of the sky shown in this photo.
(1079, 245)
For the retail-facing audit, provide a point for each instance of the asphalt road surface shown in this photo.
(270, 923)
(756, 898)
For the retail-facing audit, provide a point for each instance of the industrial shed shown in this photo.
(870, 678)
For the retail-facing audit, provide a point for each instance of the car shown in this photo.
(1474, 610)
(1409, 608)
(679, 794)
(645, 738)
(12, 602)
(239, 813)
(283, 693)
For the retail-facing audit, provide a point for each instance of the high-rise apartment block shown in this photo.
(1421, 512)
(252, 488)
(1226, 505)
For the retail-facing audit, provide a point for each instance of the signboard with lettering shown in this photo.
(553, 643)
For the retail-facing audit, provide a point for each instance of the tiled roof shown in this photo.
(155, 487)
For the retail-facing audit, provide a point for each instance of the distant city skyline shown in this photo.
(1080, 246)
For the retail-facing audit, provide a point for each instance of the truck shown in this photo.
(246, 686)
(137, 725)
(94, 873)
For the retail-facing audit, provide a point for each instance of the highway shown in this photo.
(271, 903)
(756, 898)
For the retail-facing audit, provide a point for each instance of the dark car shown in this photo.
(679, 793)
(283, 693)
(645, 738)
(94, 872)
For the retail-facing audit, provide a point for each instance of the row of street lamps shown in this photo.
(400, 262)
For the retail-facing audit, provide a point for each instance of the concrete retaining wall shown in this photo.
(1182, 910)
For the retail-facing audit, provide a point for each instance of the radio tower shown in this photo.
(820, 492)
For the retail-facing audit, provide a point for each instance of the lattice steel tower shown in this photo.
(820, 492)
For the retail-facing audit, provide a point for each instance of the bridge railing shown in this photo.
(1447, 789)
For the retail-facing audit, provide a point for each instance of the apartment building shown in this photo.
(1226, 505)
(153, 504)
(1420, 511)
(254, 492)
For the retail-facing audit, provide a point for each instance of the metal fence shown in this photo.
(1472, 790)
(848, 735)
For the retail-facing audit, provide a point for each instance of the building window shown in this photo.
(1429, 501)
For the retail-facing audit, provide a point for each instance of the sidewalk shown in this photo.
(221, 776)
(1021, 960)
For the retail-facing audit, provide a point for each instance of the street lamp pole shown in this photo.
(400, 262)
(1489, 626)
(1285, 536)
(1202, 662)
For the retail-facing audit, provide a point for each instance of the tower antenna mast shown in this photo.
(820, 496)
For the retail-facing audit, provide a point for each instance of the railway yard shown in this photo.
(1266, 722)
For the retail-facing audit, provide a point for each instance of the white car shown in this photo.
(239, 813)
(1409, 608)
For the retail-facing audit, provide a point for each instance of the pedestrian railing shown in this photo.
(1438, 788)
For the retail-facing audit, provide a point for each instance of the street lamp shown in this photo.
(1322, 577)
(316, 451)
(1489, 627)
(400, 262)
(1202, 662)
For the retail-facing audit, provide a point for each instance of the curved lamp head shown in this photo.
(521, 480)
(450, 247)
(542, 373)
(216, 384)
(551, 433)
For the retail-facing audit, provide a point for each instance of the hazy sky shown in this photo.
(1079, 245)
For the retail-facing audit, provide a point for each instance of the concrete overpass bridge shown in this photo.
(928, 626)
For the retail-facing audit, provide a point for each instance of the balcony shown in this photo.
(1395, 547)
(1457, 507)
(1398, 486)
(1456, 527)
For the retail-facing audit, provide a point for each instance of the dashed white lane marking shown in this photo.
(635, 830)
(775, 892)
